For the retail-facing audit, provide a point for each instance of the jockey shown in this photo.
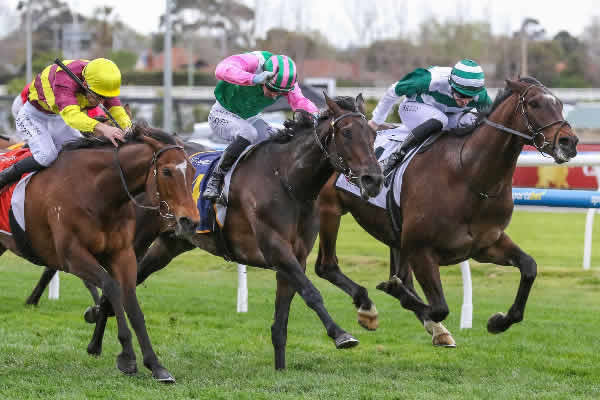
(437, 98)
(55, 112)
(248, 83)
(21, 99)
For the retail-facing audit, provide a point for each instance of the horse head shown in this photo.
(169, 185)
(350, 147)
(543, 120)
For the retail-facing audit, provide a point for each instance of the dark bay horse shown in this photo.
(272, 221)
(456, 203)
(80, 219)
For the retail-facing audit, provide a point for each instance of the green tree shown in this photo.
(126, 60)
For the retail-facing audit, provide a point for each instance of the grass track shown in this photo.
(215, 353)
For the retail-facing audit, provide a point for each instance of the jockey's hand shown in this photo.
(261, 78)
(374, 125)
(110, 132)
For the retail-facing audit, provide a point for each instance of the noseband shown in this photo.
(337, 161)
(166, 214)
(533, 132)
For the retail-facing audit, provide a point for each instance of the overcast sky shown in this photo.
(332, 17)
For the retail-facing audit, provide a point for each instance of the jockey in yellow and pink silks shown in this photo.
(248, 83)
(56, 112)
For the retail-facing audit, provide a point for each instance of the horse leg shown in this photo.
(283, 300)
(38, 290)
(279, 254)
(440, 336)
(327, 268)
(506, 252)
(125, 271)
(164, 249)
(82, 264)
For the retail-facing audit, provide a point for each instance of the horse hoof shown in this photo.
(162, 375)
(444, 340)
(387, 286)
(496, 323)
(368, 319)
(126, 366)
(94, 351)
(91, 314)
(345, 341)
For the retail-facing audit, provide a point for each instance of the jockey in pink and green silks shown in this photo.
(248, 83)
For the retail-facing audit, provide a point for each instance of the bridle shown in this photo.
(166, 214)
(337, 161)
(533, 132)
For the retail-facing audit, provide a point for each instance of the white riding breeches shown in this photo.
(45, 133)
(413, 114)
(228, 125)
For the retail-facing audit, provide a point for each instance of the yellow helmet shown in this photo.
(103, 77)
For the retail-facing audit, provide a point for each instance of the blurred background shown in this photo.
(167, 49)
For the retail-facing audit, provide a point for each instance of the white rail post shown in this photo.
(54, 287)
(242, 292)
(466, 314)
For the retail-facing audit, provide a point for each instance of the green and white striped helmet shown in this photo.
(467, 78)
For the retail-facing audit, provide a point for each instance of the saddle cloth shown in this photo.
(13, 195)
(204, 163)
(386, 143)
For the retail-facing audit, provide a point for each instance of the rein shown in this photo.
(531, 136)
(337, 161)
(155, 157)
(533, 133)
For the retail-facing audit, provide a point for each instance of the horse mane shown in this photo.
(134, 135)
(502, 95)
(304, 120)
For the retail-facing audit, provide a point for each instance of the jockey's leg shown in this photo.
(415, 137)
(241, 133)
(414, 115)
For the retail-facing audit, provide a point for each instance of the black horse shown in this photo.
(272, 221)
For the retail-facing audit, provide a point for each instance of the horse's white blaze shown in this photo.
(182, 166)
(551, 97)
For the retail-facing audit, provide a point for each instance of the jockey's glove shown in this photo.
(262, 77)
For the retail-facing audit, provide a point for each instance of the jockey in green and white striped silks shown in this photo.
(467, 77)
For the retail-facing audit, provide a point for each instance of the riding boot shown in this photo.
(231, 153)
(415, 137)
(14, 172)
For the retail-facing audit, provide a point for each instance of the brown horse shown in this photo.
(144, 235)
(456, 203)
(88, 229)
(272, 221)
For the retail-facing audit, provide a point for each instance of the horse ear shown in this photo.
(178, 140)
(360, 103)
(516, 86)
(332, 105)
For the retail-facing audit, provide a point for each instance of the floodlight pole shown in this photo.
(167, 72)
(28, 73)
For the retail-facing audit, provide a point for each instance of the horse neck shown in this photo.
(134, 160)
(489, 155)
(309, 168)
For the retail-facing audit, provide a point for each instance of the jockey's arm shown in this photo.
(237, 69)
(384, 106)
(114, 107)
(297, 101)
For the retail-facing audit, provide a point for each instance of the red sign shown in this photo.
(559, 176)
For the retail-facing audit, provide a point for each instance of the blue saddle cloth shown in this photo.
(204, 163)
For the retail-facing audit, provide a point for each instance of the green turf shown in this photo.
(216, 353)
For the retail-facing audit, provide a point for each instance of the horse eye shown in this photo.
(347, 133)
(167, 172)
(534, 104)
